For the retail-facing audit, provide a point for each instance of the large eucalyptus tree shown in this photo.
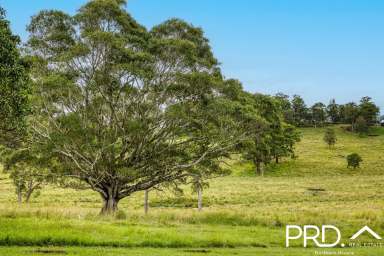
(125, 109)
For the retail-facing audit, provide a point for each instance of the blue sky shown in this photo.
(315, 48)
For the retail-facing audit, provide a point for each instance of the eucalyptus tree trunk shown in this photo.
(28, 196)
(109, 206)
(200, 199)
(29, 192)
(19, 195)
(258, 167)
(146, 204)
(110, 201)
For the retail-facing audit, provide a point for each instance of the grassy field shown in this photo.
(244, 214)
(75, 251)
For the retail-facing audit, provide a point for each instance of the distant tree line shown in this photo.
(360, 116)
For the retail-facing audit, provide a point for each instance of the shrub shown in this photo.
(330, 137)
(354, 160)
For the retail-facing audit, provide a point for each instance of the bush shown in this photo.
(354, 160)
(330, 137)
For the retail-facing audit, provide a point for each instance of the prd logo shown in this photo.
(314, 234)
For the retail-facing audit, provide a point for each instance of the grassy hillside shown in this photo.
(242, 212)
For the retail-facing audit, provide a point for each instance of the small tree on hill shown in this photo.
(361, 125)
(273, 138)
(354, 160)
(283, 140)
(330, 137)
(25, 169)
(26, 181)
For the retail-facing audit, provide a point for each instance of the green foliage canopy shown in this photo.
(125, 109)
(14, 86)
(273, 138)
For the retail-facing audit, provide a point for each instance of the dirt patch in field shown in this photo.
(49, 251)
